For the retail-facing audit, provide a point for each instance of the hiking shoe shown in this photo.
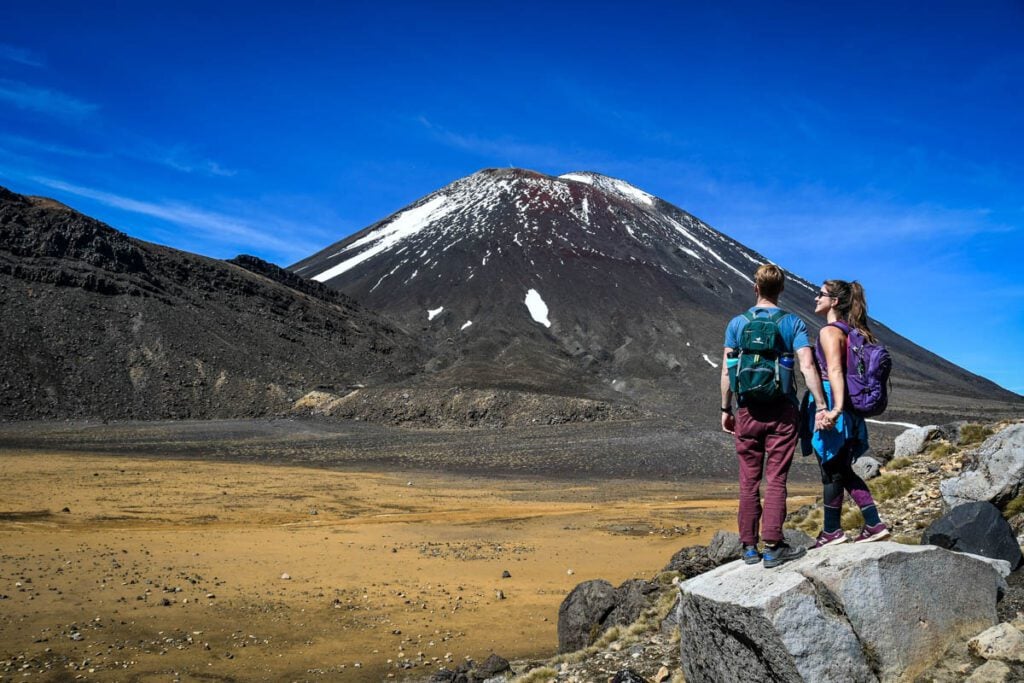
(783, 552)
(829, 538)
(872, 533)
(750, 554)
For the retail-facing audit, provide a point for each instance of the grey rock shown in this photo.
(913, 441)
(492, 666)
(724, 547)
(690, 561)
(631, 598)
(866, 467)
(990, 672)
(996, 473)
(953, 431)
(977, 528)
(628, 676)
(582, 614)
(1002, 642)
(796, 538)
(861, 612)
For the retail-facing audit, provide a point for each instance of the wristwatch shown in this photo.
(727, 410)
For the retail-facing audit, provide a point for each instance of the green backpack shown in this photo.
(764, 371)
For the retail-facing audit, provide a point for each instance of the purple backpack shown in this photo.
(868, 366)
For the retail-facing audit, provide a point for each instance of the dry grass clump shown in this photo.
(974, 433)
(939, 450)
(898, 463)
(809, 523)
(889, 486)
(1014, 507)
(906, 539)
(852, 519)
(542, 674)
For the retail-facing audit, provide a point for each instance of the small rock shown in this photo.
(506, 574)
(1002, 642)
(662, 675)
(570, 572)
(66, 509)
(286, 576)
(990, 672)
(500, 595)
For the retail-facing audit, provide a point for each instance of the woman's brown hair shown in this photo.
(852, 306)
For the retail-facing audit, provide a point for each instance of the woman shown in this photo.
(839, 436)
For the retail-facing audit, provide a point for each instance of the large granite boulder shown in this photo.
(913, 441)
(860, 612)
(976, 528)
(996, 473)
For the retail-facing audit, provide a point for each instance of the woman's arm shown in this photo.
(833, 342)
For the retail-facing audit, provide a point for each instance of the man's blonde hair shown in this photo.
(769, 280)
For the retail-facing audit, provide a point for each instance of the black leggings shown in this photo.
(837, 475)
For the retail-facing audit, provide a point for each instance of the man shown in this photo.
(765, 430)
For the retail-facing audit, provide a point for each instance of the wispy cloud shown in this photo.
(215, 227)
(20, 55)
(201, 166)
(49, 147)
(503, 150)
(44, 101)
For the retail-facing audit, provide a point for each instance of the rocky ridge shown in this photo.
(100, 325)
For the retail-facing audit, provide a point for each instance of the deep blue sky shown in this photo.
(873, 140)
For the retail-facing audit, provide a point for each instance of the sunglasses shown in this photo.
(824, 294)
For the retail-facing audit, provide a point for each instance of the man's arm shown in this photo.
(728, 420)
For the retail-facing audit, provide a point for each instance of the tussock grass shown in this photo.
(1014, 507)
(898, 463)
(889, 486)
(974, 433)
(939, 450)
(852, 519)
(906, 539)
(542, 674)
(810, 523)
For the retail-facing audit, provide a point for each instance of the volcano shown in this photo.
(585, 285)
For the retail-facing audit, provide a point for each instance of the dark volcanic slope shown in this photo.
(583, 285)
(96, 324)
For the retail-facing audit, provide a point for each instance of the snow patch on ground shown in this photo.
(434, 312)
(908, 425)
(710, 362)
(466, 324)
(538, 309)
(589, 180)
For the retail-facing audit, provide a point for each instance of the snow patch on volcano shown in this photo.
(538, 309)
(405, 224)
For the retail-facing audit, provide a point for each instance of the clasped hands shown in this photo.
(825, 419)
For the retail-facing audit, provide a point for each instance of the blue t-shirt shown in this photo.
(791, 328)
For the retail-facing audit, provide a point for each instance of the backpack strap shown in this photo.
(842, 326)
(775, 316)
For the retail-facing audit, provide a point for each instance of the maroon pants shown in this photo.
(765, 440)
